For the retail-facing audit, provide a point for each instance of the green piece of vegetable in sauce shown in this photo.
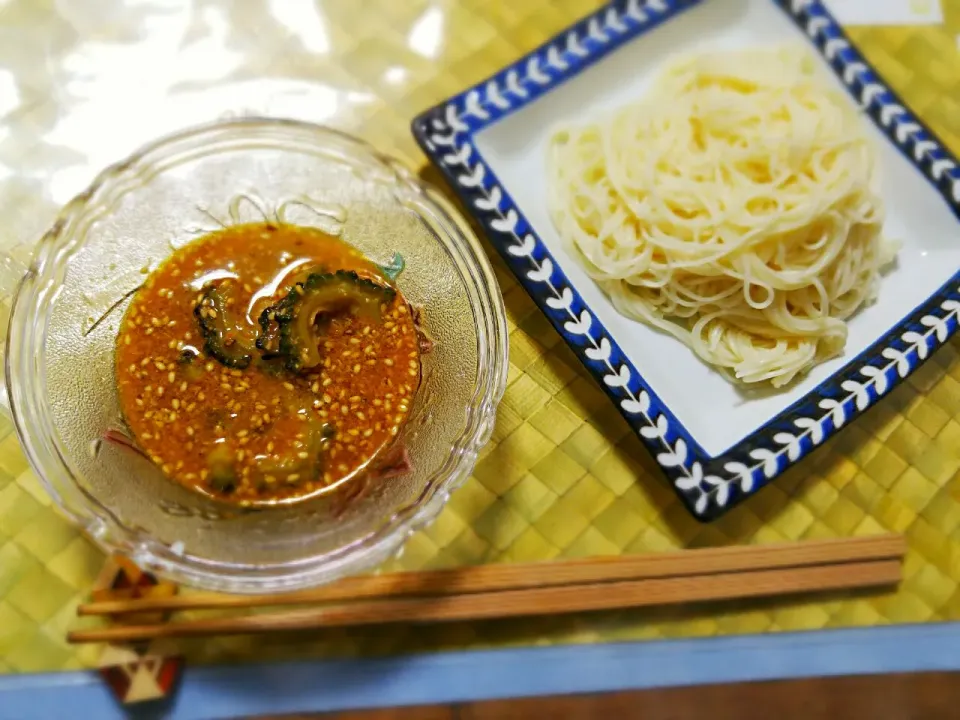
(304, 463)
(322, 294)
(224, 337)
(223, 477)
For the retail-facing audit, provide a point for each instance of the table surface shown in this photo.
(926, 696)
(82, 84)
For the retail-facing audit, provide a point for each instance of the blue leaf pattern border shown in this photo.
(708, 486)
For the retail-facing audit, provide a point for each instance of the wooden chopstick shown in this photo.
(491, 578)
(534, 601)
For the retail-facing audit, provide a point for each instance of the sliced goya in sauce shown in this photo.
(302, 315)
(266, 364)
(225, 338)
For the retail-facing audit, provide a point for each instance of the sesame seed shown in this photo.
(356, 368)
(171, 377)
(367, 433)
(226, 386)
(148, 331)
(209, 366)
(293, 477)
(160, 391)
(315, 387)
(183, 386)
(326, 382)
(189, 431)
(126, 340)
(176, 404)
(146, 436)
(388, 362)
(303, 455)
(353, 431)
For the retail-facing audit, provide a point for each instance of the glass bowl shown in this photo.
(65, 314)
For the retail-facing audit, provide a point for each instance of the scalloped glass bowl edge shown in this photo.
(26, 384)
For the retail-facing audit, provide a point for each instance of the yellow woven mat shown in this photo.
(563, 476)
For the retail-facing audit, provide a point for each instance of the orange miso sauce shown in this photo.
(264, 434)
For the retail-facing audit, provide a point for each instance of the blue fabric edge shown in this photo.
(329, 685)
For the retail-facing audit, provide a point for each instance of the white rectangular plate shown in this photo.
(716, 442)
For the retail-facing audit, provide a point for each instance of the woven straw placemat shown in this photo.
(562, 476)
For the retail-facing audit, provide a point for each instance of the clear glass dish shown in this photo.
(64, 318)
